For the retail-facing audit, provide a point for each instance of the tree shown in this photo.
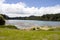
(4, 16)
(2, 21)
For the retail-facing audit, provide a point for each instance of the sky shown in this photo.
(35, 3)
(16, 8)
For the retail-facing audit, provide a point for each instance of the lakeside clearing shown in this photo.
(14, 34)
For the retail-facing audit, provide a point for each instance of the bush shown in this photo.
(54, 29)
(33, 28)
(2, 21)
(8, 26)
(51, 29)
(36, 28)
(57, 28)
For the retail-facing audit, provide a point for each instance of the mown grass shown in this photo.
(14, 34)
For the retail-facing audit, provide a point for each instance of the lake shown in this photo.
(31, 23)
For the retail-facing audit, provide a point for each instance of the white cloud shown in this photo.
(21, 9)
(1, 1)
(50, 10)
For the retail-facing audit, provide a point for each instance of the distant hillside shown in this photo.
(51, 17)
(47, 17)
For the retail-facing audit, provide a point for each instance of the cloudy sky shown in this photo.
(16, 8)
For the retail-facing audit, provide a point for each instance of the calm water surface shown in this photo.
(31, 23)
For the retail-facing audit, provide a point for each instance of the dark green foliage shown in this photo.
(46, 17)
(51, 17)
(4, 16)
(8, 26)
(2, 21)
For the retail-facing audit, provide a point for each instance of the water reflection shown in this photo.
(31, 23)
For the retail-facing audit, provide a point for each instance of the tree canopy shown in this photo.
(2, 20)
(46, 17)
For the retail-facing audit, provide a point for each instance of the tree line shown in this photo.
(46, 17)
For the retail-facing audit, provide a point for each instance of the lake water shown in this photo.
(31, 23)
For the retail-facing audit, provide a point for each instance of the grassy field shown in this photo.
(13, 34)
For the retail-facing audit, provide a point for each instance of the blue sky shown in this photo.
(16, 8)
(36, 3)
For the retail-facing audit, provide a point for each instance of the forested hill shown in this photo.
(47, 17)
(51, 17)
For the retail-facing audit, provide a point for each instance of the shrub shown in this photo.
(57, 28)
(8, 26)
(51, 29)
(2, 21)
(33, 28)
(54, 29)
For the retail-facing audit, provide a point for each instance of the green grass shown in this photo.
(14, 34)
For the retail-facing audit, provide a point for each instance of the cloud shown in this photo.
(50, 10)
(21, 9)
(1, 1)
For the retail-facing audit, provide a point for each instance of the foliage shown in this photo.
(51, 17)
(4, 16)
(2, 20)
(46, 17)
(8, 26)
(54, 29)
(51, 29)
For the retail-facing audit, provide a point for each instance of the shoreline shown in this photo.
(40, 28)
